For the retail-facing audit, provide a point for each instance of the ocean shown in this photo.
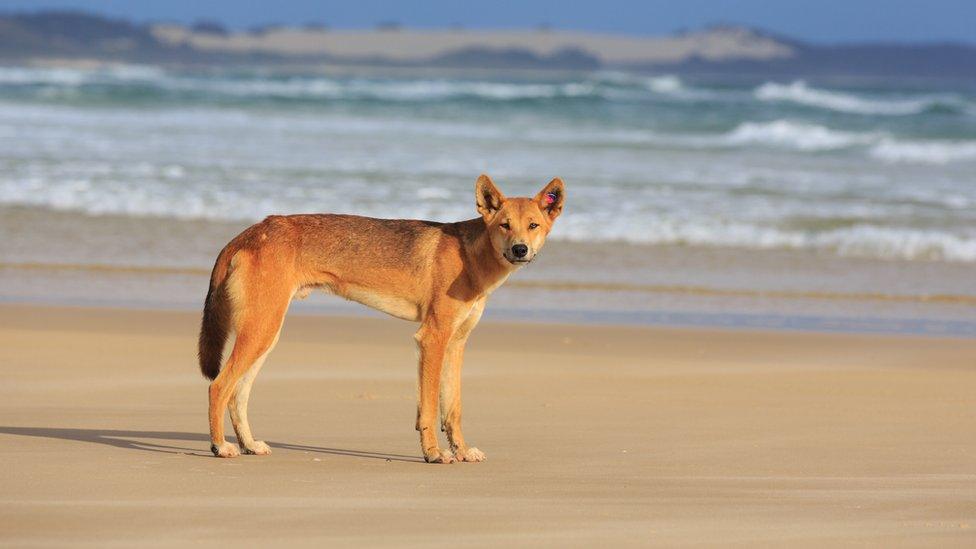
(785, 198)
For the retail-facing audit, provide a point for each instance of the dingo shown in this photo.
(437, 274)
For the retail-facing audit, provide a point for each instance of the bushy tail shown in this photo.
(215, 325)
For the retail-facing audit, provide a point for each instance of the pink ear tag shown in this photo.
(550, 198)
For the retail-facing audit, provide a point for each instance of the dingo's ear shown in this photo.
(550, 198)
(487, 196)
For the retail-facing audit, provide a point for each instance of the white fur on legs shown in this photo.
(238, 407)
(257, 448)
(436, 455)
(225, 450)
(470, 455)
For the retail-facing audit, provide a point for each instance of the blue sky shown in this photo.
(818, 21)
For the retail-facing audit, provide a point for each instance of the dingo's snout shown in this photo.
(519, 251)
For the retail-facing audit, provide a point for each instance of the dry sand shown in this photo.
(594, 435)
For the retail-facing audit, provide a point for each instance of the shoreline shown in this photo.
(652, 319)
(558, 285)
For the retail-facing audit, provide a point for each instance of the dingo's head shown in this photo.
(518, 227)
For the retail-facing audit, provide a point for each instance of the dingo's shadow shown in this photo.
(136, 440)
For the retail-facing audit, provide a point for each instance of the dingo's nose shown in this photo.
(520, 250)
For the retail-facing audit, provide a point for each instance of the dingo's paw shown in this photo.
(436, 455)
(470, 455)
(225, 450)
(257, 448)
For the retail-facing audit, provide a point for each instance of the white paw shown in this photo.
(225, 450)
(470, 455)
(258, 448)
(436, 455)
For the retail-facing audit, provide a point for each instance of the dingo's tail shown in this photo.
(215, 325)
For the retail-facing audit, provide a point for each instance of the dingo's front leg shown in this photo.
(451, 389)
(432, 340)
(451, 405)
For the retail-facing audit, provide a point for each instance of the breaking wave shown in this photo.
(799, 92)
(127, 83)
(858, 241)
(296, 87)
(797, 135)
(924, 152)
(157, 196)
(805, 137)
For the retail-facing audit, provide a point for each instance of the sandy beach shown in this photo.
(611, 435)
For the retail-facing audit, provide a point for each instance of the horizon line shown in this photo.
(542, 27)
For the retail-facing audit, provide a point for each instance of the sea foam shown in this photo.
(806, 137)
(924, 152)
(797, 135)
(157, 196)
(665, 84)
(799, 92)
(862, 240)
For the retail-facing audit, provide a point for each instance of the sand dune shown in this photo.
(718, 44)
(609, 435)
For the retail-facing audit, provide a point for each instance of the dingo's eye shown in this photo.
(533, 225)
(505, 226)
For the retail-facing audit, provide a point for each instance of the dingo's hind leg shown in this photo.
(254, 341)
(260, 306)
(238, 406)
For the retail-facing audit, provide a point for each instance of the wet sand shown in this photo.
(594, 435)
